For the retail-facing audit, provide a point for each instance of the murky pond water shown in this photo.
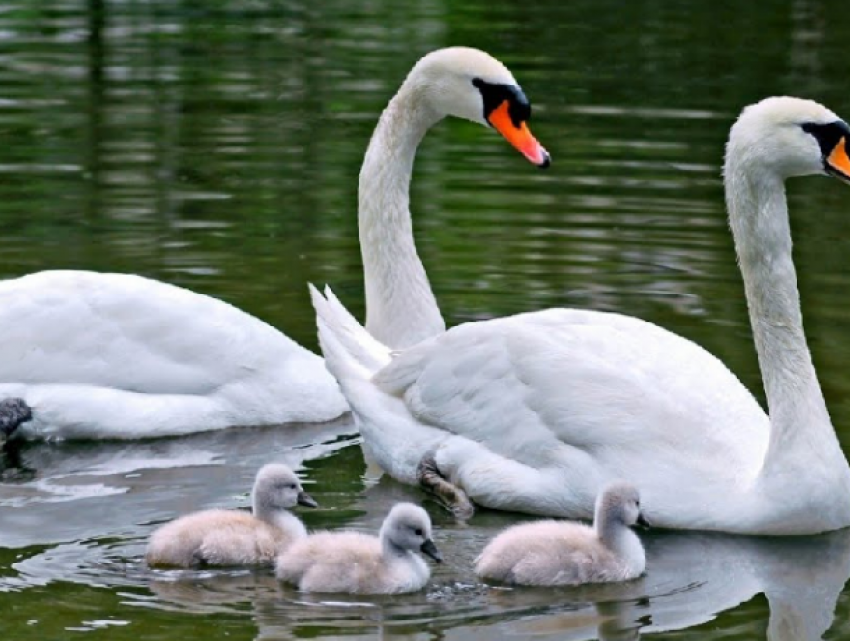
(216, 145)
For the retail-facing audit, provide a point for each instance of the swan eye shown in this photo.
(494, 95)
(418, 531)
(832, 138)
(827, 134)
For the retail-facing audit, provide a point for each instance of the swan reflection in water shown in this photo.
(139, 483)
(691, 578)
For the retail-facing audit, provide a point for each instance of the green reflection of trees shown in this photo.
(217, 145)
(65, 610)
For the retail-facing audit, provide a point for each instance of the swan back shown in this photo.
(363, 564)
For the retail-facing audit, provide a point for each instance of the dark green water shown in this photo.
(216, 145)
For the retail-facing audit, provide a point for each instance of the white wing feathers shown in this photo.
(350, 351)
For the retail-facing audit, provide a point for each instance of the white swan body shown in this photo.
(569, 553)
(121, 356)
(118, 356)
(234, 537)
(362, 564)
(536, 412)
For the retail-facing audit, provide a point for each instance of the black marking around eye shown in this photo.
(519, 109)
(827, 134)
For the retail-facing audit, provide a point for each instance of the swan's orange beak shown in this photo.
(838, 162)
(519, 136)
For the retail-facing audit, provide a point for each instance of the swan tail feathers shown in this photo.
(349, 350)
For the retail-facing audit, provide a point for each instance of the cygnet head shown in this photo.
(470, 84)
(407, 527)
(790, 137)
(619, 502)
(278, 488)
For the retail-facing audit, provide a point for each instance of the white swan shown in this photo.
(457, 81)
(234, 537)
(362, 564)
(536, 412)
(120, 356)
(568, 553)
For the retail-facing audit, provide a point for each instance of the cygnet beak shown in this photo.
(431, 550)
(306, 500)
(641, 521)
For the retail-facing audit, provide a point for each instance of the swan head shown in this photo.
(407, 527)
(278, 488)
(619, 502)
(790, 137)
(471, 84)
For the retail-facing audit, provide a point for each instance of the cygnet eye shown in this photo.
(418, 531)
(292, 486)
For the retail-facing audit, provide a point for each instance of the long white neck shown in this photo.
(289, 523)
(279, 518)
(400, 307)
(393, 551)
(801, 433)
(390, 549)
(261, 507)
(621, 540)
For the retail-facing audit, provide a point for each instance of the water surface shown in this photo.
(216, 145)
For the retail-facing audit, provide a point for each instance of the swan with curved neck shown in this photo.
(774, 140)
(458, 81)
(95, 355)
(515, 411)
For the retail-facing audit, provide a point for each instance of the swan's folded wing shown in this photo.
(526, 384)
